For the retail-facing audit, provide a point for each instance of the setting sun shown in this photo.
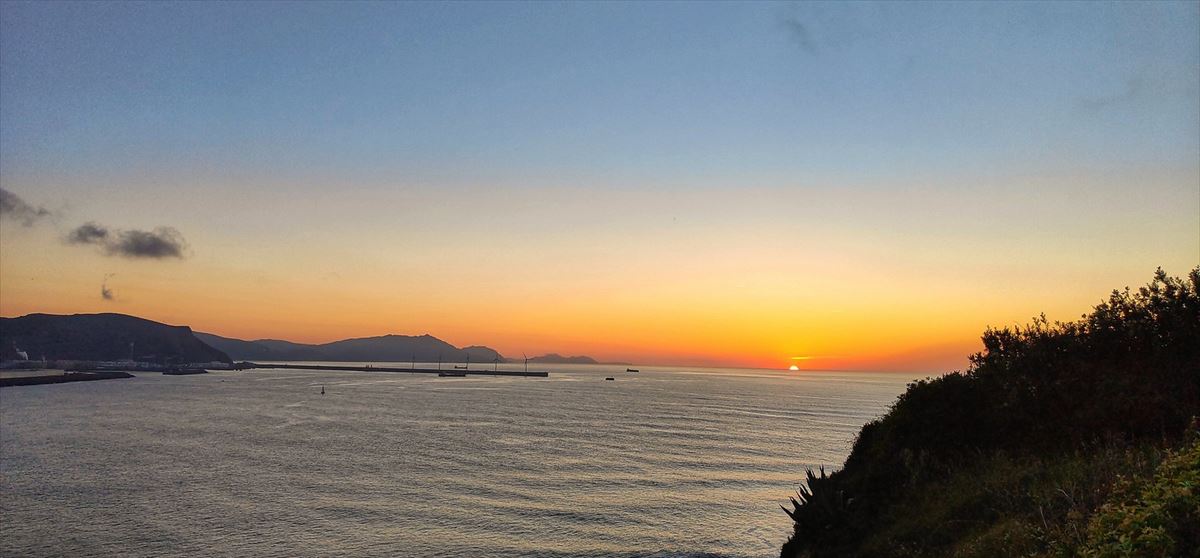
(517, 278)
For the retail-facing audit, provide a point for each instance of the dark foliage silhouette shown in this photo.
(1047, 405)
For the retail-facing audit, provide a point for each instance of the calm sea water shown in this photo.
(665, 462)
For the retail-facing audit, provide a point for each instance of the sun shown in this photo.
(795, 367)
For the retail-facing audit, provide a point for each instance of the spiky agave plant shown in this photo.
(821, 509)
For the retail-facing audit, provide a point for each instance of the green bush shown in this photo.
(1083, 400)
(1154, 517)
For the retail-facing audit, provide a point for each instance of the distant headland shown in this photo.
(120, 337)
(101, 337)
(555, 358)
(384, 348)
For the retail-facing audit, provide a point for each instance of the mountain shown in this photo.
(555, 358)
(483, 354)
(281, 346)
(394, 348)
(241, 350)
(102, 337)
(391, 348)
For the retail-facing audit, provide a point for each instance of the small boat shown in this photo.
(632, 370)
(322, 390)
(610, 379)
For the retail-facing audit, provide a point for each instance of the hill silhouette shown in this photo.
(102, 337)
(385, 348)
(1020, 454)
(555, 358)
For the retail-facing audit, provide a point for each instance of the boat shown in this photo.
(457, 367)
(322, 390)
(632, 370)
(610, 379)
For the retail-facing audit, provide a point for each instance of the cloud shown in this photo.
(800, 34)
(162, 242)
(159, 244)
(105, 292)
(13, 207)
(88, 233)
(1133, 89)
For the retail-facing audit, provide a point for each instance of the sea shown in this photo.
(663, 462)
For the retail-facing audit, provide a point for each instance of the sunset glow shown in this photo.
(719, 205)
(519, 279)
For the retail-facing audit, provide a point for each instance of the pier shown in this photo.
(477, 372)
(37, 377)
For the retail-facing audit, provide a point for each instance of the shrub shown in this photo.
(1155, 517)
(1127, 375)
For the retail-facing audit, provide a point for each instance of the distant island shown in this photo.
(1061, 439)
(120, 337)
(557, 359)
(384, 348)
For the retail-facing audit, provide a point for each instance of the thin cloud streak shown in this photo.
(800, 34)
(13, 207)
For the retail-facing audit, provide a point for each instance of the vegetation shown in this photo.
(1155, 517)
(1061, 439)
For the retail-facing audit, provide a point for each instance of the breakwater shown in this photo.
(413, 370)
(62, 378)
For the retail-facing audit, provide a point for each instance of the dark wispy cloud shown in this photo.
(159, 244)
(1133, 89)
(162, 242)
(88, 233)
(105, 292)
(13, 207)
(800, 34)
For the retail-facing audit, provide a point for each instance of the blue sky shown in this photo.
(724, 183)
(653, 91)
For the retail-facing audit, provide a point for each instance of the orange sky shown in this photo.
(751, 278)
(664, 183)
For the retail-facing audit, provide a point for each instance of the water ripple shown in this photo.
(663, 464)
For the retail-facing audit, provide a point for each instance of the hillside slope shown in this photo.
(385, 348)
(102, 337)
(1015, 456)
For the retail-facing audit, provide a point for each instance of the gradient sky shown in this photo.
(862, 185)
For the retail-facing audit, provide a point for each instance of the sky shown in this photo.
(841, 185)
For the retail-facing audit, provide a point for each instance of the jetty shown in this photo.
(37, 378)
(413, 370)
